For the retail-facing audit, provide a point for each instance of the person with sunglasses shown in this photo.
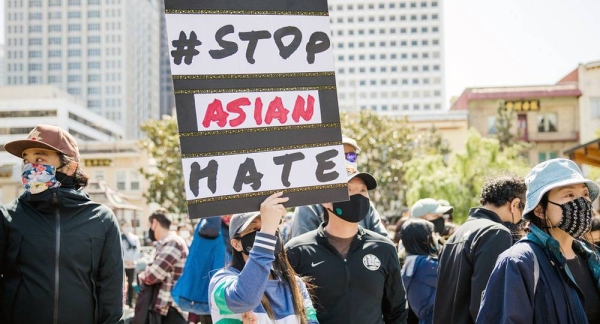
(308, 218)
(553, 274)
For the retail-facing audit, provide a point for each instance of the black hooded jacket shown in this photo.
(61, 260)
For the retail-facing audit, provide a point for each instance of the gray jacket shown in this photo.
(308, 218)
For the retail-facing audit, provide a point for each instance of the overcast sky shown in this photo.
(510, 42)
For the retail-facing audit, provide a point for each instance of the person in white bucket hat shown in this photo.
(552, 275)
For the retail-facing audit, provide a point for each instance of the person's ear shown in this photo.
(71, 168)
(539, 211)
(236, 244)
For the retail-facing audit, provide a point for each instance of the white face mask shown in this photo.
(184, 234)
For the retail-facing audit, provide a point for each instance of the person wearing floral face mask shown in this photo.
(552, 275)
(60, 251)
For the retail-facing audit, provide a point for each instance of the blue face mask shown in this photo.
(36, 178)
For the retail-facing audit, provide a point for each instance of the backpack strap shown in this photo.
(536, 272)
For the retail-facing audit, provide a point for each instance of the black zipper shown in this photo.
(56, 257)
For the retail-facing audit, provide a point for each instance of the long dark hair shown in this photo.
(282, 266)
(417, 237)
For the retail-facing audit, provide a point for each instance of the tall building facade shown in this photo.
(104, 52)
(389, 55)
(167, 98)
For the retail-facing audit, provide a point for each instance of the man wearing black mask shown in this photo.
(356, 271)
(469, 255)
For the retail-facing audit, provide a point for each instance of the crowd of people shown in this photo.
(527, 254)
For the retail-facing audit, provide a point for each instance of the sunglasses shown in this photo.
(351, 156)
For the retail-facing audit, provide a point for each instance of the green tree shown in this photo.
(431, 142)
(387, 143)
(460, 180)
(166, 178)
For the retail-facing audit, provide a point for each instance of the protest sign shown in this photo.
(256, 103)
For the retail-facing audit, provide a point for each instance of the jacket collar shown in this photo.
(480, 212)
(322, 238)
(552, 247)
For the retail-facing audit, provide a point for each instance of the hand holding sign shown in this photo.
(256, 105)
(271, 211)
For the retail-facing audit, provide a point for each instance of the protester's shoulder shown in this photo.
(7, 209)
(308, 238)
(380, 240)
(522, 251)
(223, 274)
(309, 209)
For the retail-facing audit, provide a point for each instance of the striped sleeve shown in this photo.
(264, 242)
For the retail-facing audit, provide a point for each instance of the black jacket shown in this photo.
(61, 260)
(366, 287)
(465, 264)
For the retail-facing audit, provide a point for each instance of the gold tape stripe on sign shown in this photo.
(246, 12)
(258, 150)
(258, 130)
(252, 76)
(266, 193)
(238, 90)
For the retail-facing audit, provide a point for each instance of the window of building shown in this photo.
(35, 3)
(74, 91)
(434, 16)
(595, 107)
(54, 40)
(74, 66)
(55, 3)
(54, 66)
(74, 78)
(54, 28)
(74, 27)
(93, 2)
(54, 53)
(34, 54)
(93, 26)
(74, 40)
(74, 53)
(94, 14)
(74, 14)
(96, 39)
(35, 29)
(544, 156)
(35, 41)
(434, 29)
(54, 79)
(547, 123)
(35, 67)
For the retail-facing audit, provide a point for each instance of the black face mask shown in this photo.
(353, 210)
(151, 235)
(248, 242)
(439, 225)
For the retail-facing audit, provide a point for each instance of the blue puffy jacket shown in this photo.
(532, 284)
